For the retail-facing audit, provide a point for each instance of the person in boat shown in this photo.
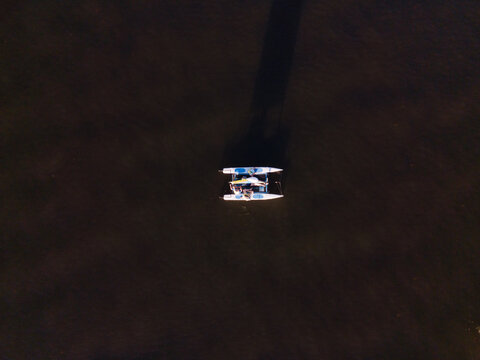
(247, 192)
(236, 189)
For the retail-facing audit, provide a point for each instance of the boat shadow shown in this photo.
(265, 142)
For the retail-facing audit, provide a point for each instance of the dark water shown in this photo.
(115, 116)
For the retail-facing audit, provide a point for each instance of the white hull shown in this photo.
(255, 196)
(255, 170)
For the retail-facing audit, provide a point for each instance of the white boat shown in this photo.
(255, 196)
(251, 183)
(250, 170)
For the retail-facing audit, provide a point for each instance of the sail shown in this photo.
(248, 181)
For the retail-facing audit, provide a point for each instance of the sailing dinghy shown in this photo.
(251, 183)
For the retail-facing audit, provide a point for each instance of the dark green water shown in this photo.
(114, 118)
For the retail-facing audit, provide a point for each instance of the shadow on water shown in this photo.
(265, 142)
